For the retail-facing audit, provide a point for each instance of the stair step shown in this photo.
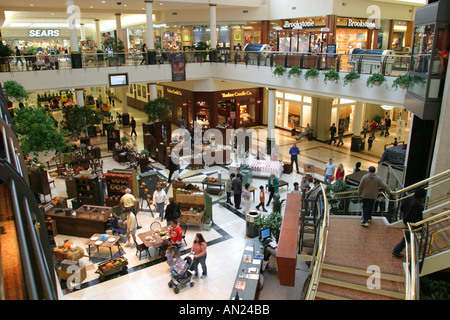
(332, 290)
(358, 290)
(360, 272)
(328, 296)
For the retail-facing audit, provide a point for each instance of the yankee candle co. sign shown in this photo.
(43, 33)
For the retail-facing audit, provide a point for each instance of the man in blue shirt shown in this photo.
(294, 152)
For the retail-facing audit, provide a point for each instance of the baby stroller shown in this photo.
(181, 274)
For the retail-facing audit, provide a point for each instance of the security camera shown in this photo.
(119, 3)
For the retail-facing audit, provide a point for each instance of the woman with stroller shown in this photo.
(198, 249)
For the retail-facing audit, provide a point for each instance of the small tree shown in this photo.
(80, 118)
(158, 109)
(14, 91)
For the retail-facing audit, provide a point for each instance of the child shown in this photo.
(395, 142)
(169, 256)
(261, 198)
(370, 141)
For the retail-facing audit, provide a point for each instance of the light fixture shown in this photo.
(387, 108)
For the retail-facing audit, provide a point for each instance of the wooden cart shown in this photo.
(118, 265)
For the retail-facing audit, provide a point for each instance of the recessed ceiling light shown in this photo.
(91, 7)
(124, 5)
(31, 5)
(103, 1)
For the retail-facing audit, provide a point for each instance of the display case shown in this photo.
(116, 184)
(113, 137)
(88, 190)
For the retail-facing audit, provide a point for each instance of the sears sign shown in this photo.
(43, 33)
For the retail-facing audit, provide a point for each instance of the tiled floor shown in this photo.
(148, 278)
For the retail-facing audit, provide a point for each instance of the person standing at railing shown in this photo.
(368, 190)
(18, 55)
(412, 210)
(144, 53)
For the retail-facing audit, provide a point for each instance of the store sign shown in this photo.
(178, 67)
(236, 94)
(361, 24)
(303, 24)
(175, 92)
(43, 33)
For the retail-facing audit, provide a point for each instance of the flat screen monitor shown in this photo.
(265, 234)
(118, 80)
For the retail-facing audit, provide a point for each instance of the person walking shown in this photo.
(18, 55)
(340, 172)
(198, 249)
(365, 127)
(247, 195)
(229, 187)
(173, 211)
(329, 171)
(262, 200)
(382, 126)
(144, 54)
(160, 198)
(176, 238)
(412, 210)
(173, 167)
(373, 127)
(236, 185)
(294, 152)
(273, 185)
(388, 125)
(368, 191)
(332, 133)
(304, 183)
(129, 202)
(131, 227)
(297, 188)
(133, 127)
(340, 135)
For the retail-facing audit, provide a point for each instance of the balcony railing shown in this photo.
(391, 65)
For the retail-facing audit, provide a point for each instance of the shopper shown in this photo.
(296, 188)
(368, 190)
(329, 171)
(340, 135)
(382, 126)
(373, 127)
(395, 143)
(169, 257)
(306, 132)
(237, 191)
(304, 183)
(272, 185)
(247, 195)
(370, 142)
(144, 54)
(229, 188)
(365, 127)
(133, 127)
(176, 238)
(129, 202)
(131, 227)
(173, 167)
(198, 249)
(18, 55)
(172, 211)
(262, 200)
(340, 172)
(294, 152)
(357, 167)
(160, 198)
(332, 133)
(388, 125)
(412, 210)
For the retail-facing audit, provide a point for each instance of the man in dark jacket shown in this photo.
(172, 210)
(412, 210)
(388, 125)
(236, 185)
(133, 127)
(172, 168)
(332, 133)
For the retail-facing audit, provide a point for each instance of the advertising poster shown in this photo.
(178, 67)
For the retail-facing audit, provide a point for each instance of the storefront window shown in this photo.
(293, 115)
(279, 114)
(224, 37)
(422, 49)
(199, 34)
(226, 112)
(247, 109)
(346, 117)
(293, 111)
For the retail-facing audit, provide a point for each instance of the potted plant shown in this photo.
(338, 205)
(117, 47)
(331, 75)
(375, 79)
(158, 109)
(273, 220)
(124, 140)
(80, 118)
(311, 74)
(351, 77)
(201, 49)
(294, 72)
(279, 71)
(5, 53)
(401, 81)
(14, 91)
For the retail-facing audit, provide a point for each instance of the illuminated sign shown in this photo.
(303, 24)
(361, 24)
(236, 94)
(176, 92)
(43, 33)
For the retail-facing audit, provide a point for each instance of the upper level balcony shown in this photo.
(41, 72)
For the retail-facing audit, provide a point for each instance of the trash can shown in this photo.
(75, 204)
(252, 230)
(356, 143)
(125, 119)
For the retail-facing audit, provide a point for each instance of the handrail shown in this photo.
(417, 184)
(320, 254)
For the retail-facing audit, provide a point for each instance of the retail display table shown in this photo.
(95, 242)
(213, 187)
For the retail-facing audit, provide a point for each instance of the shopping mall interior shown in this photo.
(116, 117)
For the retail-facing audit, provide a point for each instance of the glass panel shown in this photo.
(199, 34)
(443, 45)
(307, 99)
(306, 115)
(423, 44)
(294, 97)
(294, 111)
(346, 117)
(224, 36)
(279, 113)
(418, 85)
(284, 44)
(279, 94)
(247, 110)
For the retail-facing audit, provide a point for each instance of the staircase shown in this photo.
(351, 255)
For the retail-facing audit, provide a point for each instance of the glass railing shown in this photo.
(390, 65)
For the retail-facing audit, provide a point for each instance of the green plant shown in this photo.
(273, 220)
(124, 140)
(434, 289)
(32, 51)
(374, 79)
(279, 70)
(331, 75)
(80, 118)
(145, 153)
(294, 72)
(311, 73)
(349, 77)
(14, 90)
(5, 52)
(113, 44)
(401, 81)
(158, 109)
(37, 132)
(338, 205)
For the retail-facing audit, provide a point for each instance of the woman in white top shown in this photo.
(247, 196)
(160, 198)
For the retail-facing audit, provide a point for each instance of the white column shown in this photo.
(83, 32)
(72, 21)
(271, 120)
(153, 94)
(149, 13)
(80, 97)
(358, 118)
(213, 27)
(98, 35)
(119, 26)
